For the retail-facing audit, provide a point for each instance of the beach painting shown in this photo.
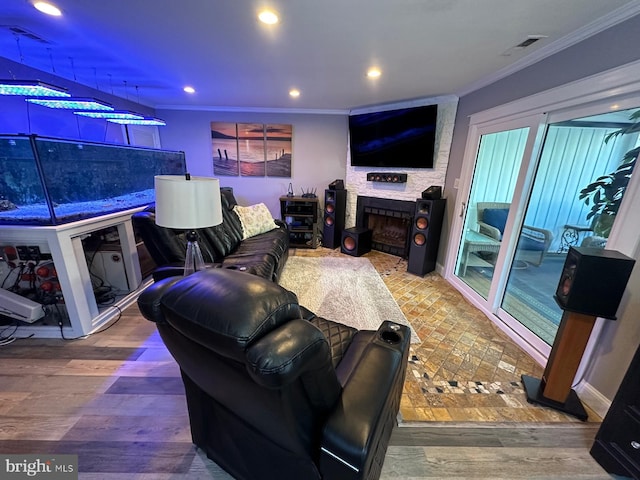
(224, 140)
(278, 148)
(251, 149)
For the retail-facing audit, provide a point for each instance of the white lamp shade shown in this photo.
(187, 204)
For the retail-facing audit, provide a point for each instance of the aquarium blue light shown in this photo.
(31, 88)
(71, 103)
(51, 181)
(120, 114)
(144, 121)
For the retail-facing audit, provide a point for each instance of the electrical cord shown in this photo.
(8, 275)
(61, 325)
(8, 339)
(16, 283)
(32, 276)
(15, 329)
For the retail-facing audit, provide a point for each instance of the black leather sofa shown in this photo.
(264, 255)
(273, 391)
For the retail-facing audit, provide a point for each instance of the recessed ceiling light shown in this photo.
(48, 8)
(374, 73)
(268, 16)
(294, 93)
(189, 89)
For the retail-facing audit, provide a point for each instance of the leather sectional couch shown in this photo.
(264, 255)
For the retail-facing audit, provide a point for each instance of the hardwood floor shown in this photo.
(115, 399)
(492, 452)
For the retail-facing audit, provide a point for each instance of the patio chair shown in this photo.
(534, 242)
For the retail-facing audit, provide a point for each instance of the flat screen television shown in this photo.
(403, 138)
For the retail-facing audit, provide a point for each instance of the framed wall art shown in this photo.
(251, 149)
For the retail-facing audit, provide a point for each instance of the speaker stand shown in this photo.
(554, 390)
(572, 406)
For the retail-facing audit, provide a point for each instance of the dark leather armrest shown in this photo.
(149, 300)
(367, 409)
(295, 350)
(281, 224)
(174, 270)
(167, 271)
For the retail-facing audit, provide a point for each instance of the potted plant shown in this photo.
(606, 192)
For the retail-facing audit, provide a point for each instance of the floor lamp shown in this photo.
(186, 202)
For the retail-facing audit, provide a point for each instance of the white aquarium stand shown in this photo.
(64, 242)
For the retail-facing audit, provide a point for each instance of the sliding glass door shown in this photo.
(567, 206)
(539, 186)
(498, 162)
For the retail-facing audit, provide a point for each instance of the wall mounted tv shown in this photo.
(403, 138)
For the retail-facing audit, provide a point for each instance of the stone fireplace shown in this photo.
(387, 209)
(390, 222)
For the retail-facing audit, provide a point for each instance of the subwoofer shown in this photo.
(356, 241)
(425, 236)
(335, 206)
(593, 280)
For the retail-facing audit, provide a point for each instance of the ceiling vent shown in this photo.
(530, 40)
(527, 42)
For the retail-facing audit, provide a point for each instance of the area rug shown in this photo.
(345, 289)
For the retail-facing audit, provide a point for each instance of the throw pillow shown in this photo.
(255, 219)
(496, 217)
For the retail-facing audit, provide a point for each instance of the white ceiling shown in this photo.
(148, 50)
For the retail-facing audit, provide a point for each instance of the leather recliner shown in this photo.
(273, 391)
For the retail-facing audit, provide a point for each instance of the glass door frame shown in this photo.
(610, 89)
(536, 125)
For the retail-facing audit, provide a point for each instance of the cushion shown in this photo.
(496, 217)
(527, 243)
(255, 219)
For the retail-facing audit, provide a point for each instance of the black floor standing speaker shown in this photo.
(425, 236)
(335, 205)
(356, 241)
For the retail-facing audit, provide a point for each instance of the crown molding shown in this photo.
(613, 18)
(213, 108)
(416, 102)
(311, 111)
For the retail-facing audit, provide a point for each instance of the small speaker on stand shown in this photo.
(591, 285)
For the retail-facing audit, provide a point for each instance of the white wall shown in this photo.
(319, 150)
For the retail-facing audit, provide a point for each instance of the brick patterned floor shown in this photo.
(465, 369)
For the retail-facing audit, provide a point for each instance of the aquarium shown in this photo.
(49, 181)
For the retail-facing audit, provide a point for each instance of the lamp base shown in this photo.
(572, 405)
(193, 258)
